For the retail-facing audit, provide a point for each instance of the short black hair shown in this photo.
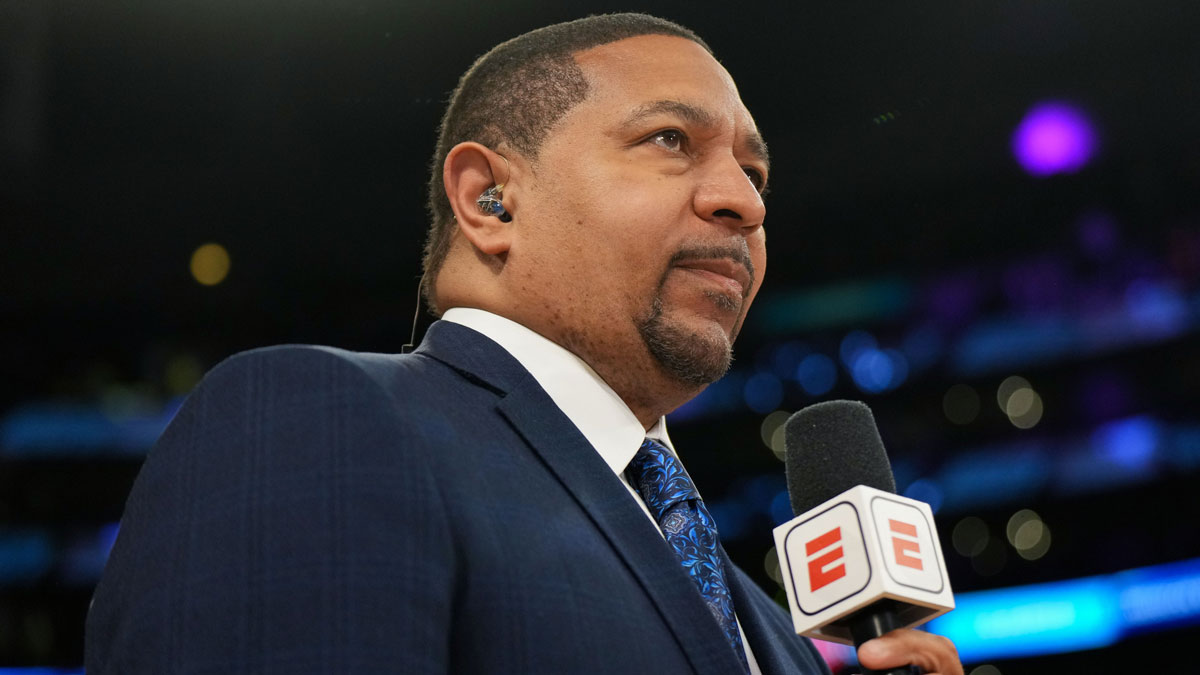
(514, 94)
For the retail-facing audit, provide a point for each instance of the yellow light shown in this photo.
(1028, 534)
(779, 442)
(181, 374)
(970, 536)
(1020, 402)
(1024, 408)
(1017, 520)
(1040, 546)
(773, 430)
(1007, 387)
(771, 565)
(210, 264)
(961, 404)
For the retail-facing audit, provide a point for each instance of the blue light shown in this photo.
(925, 491)
(1185, 448)
(41, 671)
(1008, 343)
(1067, 616)
(25, 556)
(785, 358)
(781, 508)
(1160, 596)
(1157, 310)
(763, 393)
(817, 374)
(872, 371)
(1029, 620)
(732, 518)
(760, 491)
(723, 395)
(84, 558)
(854, 344)
(1131, 443)
(73, 429)
(923, 346)
(997, 476)
(899, 367)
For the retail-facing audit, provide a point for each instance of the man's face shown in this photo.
(639, 240)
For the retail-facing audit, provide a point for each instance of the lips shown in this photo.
(725, 271)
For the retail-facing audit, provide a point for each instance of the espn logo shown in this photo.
(904, 542)
(823, 569)
(863, 545)
(905, 538)
(830, 554)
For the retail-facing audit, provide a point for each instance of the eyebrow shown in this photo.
(753, 143)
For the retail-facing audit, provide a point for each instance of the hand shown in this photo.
(935, 654)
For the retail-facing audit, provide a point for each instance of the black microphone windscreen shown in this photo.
(832, 447)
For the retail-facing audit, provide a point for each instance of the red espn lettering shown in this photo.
(820, 572)
(902, 547)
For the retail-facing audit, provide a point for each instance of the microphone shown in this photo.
(858, 560)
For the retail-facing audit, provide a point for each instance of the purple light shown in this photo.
(1053, 138)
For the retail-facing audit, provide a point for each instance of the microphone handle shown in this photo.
(874, 621)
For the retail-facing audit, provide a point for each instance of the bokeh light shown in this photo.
(1028, 534)
(854, 344)
(771, 566)
(961, 404)
(1020, 402)
(763, 392)
(772, 431)
(970, 536)
(1006, 389)
(1053, 138)
(925, 491)
(210, 264)
(878, 370)
(182, 373)
(817, 374)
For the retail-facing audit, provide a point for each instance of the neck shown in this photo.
(636, 377)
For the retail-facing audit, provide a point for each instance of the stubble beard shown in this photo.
(693, 358)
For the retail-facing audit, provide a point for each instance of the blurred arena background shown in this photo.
(984, 222)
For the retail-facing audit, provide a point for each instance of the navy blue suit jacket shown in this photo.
(312, 510)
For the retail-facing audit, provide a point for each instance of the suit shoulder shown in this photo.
(312, 369)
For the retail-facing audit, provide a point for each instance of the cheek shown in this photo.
(758, 256)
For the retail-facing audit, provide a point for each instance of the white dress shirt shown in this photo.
(591, 405)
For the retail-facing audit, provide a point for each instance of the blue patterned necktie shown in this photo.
(687, 526)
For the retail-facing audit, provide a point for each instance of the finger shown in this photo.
(935, 654)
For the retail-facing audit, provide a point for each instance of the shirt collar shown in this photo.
(587, 400)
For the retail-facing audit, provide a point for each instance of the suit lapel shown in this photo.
(761, 639)
(585, 475)
(769, 630)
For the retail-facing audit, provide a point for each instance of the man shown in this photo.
(597, 240)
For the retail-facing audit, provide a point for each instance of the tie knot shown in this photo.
(659, 478)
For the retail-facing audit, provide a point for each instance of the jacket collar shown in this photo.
(595, 488)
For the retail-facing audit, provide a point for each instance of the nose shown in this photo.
(726, 196)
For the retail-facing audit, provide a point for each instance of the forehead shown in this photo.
(629, 73)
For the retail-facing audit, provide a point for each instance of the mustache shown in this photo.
(739, 255)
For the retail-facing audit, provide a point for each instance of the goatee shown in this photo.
(694, 358)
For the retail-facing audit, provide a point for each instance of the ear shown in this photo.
(471, 168)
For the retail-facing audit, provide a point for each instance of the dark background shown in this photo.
(297, 135)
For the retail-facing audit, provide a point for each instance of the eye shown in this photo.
(757, 179)
(670, 139)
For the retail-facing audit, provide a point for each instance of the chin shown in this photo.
(695, 355)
